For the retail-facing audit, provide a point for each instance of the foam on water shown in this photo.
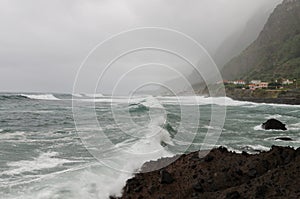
(253, 148)
(202, 100)
(109, 175)
(151, 102)
(258, 128)
(45, 160)
(134, 154)
(59, 177)
(94, 95)
(12, 135)
(294, 127)
(77, 95)
(41, 97)
(276, 116)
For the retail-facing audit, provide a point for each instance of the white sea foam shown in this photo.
(157, 102)
(151, 102)
(253, 148)
(99, 181)
(212, 127)
(93, 95)
(13, 135)
(294, 127)
(202, 100)
(259, 147)
(258, 128)
(119, 162)
(222, 101)
(41, 97)
(45, 160)
(77, 95)
(276, 116)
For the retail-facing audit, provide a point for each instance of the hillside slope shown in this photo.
(276, 51)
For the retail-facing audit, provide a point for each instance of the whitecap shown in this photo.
(45, 160)
(276, 116)
(152, 102)
(94, 95)
(19, 135)
(41, 97)
(294, 127)
(258, 128)
(77, 95)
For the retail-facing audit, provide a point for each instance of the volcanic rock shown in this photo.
(284, 139)
(273, 124)
(272, 174)
(165, 177)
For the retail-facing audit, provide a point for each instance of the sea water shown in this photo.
(45, 153)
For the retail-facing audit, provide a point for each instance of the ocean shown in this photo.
(87, 146)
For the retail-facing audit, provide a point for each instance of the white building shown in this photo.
(239, 82)
(255, 82)
(287, 82)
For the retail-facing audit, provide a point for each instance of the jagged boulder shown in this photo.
(273, 124)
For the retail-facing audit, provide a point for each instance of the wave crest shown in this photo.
(40, 97)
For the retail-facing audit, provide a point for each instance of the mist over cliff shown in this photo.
(276, 51)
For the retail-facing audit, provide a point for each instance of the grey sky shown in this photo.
(42, 43)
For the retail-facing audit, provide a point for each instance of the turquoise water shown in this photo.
(43, 154)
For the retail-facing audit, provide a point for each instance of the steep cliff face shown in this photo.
(276, 51)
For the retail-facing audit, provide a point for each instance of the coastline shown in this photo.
(290, 97)
(291, 101)
(221, 174)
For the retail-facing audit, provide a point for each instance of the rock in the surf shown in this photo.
(273, 124)
(284, 139)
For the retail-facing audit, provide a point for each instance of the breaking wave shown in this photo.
(40, 97)
(45, 160)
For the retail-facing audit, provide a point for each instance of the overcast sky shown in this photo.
(42, 43)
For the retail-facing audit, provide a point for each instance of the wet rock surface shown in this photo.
(274, 124)
(221, 174)
(284, 139)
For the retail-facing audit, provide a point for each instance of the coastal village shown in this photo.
(259, 84)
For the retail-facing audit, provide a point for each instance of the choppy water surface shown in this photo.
(43, 156)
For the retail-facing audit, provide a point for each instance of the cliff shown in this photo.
(276, 51)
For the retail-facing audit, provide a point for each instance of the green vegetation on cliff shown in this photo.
(276, 52)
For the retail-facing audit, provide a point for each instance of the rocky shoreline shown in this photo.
(291, 97)
(220, 174)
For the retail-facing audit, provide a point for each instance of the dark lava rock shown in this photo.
(208, 158)
(166, 177)
(261, 191)
(198, 187)
(273, 124)
(270, 174)
(233, 195)
(138, 189)
(284, 139)
(252, 173)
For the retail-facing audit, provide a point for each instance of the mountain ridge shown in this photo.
(276, 51)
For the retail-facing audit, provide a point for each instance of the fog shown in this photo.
(44, 43)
